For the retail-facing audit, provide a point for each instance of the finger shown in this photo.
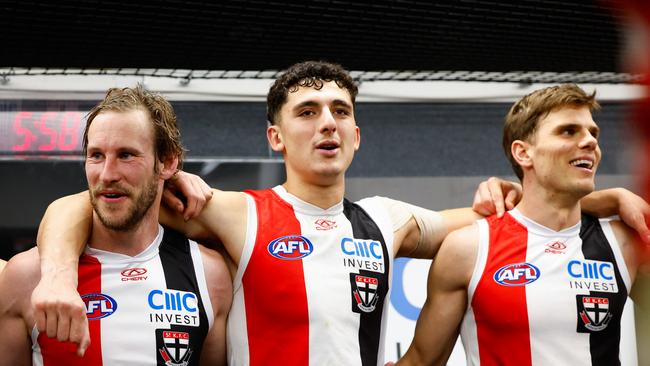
(206, 189)
(511, 200)
(477, 205)
(81, 331)
(51, 323)
(172, 201)
(495, 196)
(641, 226)
(196, 203)
(482, 201)
(39, 317)
(63, 328)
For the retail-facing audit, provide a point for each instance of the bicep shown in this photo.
(15, 344)
(220, 292)
(15, 285)
(439, 322)
(214, 345)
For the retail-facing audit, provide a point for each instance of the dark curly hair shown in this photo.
(311, 74)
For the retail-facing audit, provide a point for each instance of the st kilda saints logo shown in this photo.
(364, 292)
(593, 313)
(174, 347)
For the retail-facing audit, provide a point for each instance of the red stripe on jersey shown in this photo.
(501, 311)
(65, 353)
(275, 295)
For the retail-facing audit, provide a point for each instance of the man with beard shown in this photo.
(311, 269)
(144, 287)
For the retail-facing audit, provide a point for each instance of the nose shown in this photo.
(109, 171)
(588, 141)
(328, 122)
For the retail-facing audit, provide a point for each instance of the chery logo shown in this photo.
(323, 224)
(134, 274)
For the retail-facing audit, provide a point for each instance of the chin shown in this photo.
(584, 189)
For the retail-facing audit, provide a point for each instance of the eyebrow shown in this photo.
(592, 129)
(311, 103)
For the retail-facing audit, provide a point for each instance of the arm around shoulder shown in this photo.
(222, 220)
(62, 235)
(438, 326)
(64, 231)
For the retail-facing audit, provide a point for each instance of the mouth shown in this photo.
(583, 163)
(329, 145)
(111, 195)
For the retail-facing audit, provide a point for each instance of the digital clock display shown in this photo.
(41, 132)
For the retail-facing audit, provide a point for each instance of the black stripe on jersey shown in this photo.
(363, 227)
(180, 275)
(604, 344)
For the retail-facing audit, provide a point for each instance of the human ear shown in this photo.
(274, 136)
(521, 152)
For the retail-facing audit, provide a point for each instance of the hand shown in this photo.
(60, 312)
(489, 198)
(634, 211)
(195, 193)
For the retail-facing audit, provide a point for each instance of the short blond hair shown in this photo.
(523, 118)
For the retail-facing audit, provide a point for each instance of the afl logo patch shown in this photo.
(290, 247)
(517, 274)
(99, 306)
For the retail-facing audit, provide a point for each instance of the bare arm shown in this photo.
(412, 243)
(495, 196)
(15, 286)
(220, 289)
(439, 323)
(2, 265)
(62, 235)
(631, 208)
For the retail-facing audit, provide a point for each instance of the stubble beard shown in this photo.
(135, 213)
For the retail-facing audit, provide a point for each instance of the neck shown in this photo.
(557, 211)
(131, 242)
(320, 195)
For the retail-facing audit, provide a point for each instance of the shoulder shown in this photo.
(225, 201)
(635, 252)
(458, 253)
(462, 241)
(20, 275)
(24, 265)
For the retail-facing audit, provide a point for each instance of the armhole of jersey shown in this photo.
(481, 258)
(200, 279)
(618, 254)
(377, 212)
(249, 244)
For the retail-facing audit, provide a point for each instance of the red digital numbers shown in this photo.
(47, 131)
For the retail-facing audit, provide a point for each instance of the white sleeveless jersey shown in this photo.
(150, 309)
(541, 297)
(312, 286)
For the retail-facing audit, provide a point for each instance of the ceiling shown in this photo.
(496, 37)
